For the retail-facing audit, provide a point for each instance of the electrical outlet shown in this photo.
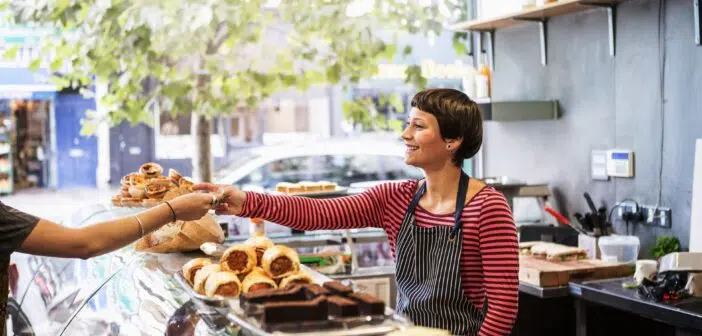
(652, 216)
(659, 217)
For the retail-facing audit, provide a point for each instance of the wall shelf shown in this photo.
(518, 110)
(540, 15)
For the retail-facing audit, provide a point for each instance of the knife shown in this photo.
(590, 203)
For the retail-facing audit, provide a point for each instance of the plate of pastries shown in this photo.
(149, 187)
(272, 288)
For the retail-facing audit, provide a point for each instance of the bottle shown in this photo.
(257, 227)
(482, 80)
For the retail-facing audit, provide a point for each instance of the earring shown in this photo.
(449, 147)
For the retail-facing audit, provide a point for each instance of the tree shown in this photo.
(205, 58)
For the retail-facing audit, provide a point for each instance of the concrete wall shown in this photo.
(607, 102)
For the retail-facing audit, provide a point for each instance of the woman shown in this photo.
(25, 233)
(453, 239)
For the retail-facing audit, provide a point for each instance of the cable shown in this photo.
(619, 204)
(661, 85)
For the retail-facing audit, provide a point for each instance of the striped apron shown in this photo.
(428, 272)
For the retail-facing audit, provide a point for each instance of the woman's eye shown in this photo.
(418, 126)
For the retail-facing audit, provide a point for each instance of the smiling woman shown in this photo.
(453, 238)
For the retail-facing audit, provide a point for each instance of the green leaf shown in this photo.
(11, 54)
(396, 102)
(459, 40)
(35, 64)
(407, 50)
(334, 73)
(88, 127)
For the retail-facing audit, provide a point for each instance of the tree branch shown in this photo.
(221, 35)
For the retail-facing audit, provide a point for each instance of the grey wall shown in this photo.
(607, 102)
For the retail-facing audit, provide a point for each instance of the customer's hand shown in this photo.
(192, 206)
(231, 200)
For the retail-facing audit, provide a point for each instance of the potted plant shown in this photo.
(665, 245)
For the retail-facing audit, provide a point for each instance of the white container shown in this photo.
(619, 249)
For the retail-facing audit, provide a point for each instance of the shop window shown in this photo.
(180, 124)
(293, 170)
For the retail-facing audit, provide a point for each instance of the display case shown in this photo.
(131, 293)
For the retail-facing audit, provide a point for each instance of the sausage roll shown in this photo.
(239, 259)
(280, 261)
(261, 244)
(257, 280)
(192, 266)
(223, 284)
(297, 278)
(202, 275)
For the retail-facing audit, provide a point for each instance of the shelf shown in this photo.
(544, 12)
(540, 15)
(519, 110)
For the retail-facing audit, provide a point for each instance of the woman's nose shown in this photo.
(406, 133)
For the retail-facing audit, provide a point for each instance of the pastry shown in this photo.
(295, 311)
(368, 304)
(342, 307)
(261, 244)
(223, 284)
(155, 190)
(186, 183)
(137, 191)
(256, 281)
(130, 202)
(202, 275)
(297, 278)
(239, 259)
(174, 176)
(117, 200)
(327, 186)
(150, 170)
(338, 288)
(282, 187)
(124, 192)
(132, 179)
(314, 290)
(280, 261)
(309, 186)
(292, 293)
(163, 181)
(192, 266)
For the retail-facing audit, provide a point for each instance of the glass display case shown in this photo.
(131, 293)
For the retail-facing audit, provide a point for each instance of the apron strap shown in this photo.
(467, 189)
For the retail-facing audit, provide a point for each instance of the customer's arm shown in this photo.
(302, 213)
(29, 234)
(499, 249)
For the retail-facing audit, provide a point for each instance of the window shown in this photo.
(284, 170)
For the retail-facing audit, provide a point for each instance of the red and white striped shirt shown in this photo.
(490, 256)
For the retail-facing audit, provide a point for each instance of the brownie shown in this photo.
(342, 307)
(314, 290)
(338, 288)
(295, 311)
(368, 304)
(290, 293)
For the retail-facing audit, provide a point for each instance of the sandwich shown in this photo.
(556, 252)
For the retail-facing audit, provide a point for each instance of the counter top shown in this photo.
(686, 313)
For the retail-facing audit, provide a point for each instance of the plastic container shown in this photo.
(619, 249)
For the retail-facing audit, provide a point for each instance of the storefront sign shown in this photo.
(430, 70)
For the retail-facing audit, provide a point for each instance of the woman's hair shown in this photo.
(458, 117)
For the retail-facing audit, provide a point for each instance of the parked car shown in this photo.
(344, 161)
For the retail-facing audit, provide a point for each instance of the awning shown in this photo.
(22, 83)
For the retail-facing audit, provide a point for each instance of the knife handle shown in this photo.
(590, 203)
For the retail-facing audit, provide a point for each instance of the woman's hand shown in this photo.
(192, 206)
(231, 200)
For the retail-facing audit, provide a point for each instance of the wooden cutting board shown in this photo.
(544, 273)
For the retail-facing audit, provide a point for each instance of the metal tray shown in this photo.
(248, 317)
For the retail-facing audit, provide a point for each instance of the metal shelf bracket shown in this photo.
(697, 12)
(611, 18)
(542, 35)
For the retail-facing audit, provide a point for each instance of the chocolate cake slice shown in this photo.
(290, 293)
(368, 304)
(295, 311)
(314, 290)
(338, 288)
(342, 307)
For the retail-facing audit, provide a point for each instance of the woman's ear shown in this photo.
(453, 144)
